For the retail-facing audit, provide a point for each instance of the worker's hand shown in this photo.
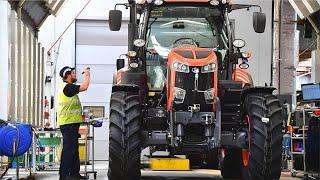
(85, 83)
(87, 71)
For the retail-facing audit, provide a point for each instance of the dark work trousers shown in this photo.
(70, 163)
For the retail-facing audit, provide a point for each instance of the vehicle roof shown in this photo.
(181, 1)
(196, 1)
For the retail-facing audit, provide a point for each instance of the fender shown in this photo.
(258, 89)
(243, 76)
(126, 88)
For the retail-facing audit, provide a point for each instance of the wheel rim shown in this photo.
(245, 157)
(246, 152)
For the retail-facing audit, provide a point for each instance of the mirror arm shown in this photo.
(258, 6)
(121, 4)
(248, 6)
(123, 55)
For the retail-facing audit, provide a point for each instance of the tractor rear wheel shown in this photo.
(262, 159)
(124, 136)
(231, 164)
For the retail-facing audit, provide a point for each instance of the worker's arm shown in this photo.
(85, 84)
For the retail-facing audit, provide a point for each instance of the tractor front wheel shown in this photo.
(262, 159)
(124, 136)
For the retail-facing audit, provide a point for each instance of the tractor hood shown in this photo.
(192, 56)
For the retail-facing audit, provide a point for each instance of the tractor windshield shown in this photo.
(171, 27)
(181, 26)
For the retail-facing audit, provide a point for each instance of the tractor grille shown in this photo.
(186, 82)
(194, 133)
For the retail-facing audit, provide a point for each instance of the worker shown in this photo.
(69, 119)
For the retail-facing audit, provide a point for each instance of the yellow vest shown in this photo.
(69, 108)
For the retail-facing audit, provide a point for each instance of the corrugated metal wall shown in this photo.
(26, 74)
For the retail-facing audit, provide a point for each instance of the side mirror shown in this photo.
(259, 22)
(120, 64)
(115, 19)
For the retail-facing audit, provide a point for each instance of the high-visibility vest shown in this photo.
(69, 108)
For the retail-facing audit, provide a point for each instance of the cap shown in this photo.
(64, 70)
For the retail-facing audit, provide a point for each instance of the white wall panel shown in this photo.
(90, 54)
(100, 74)
(98, 48)
(96, 32)
(97, 93)
(101, 150)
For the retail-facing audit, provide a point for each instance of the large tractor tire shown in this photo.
(212, 159)
(124, 136)
(196, 160)
(262, 159)
(232, 164)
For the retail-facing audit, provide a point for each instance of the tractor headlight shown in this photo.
(158, 2)
(134, 64)
(139, 42)
(209, 95)
(179, 95)
(209, 68)
(180, 67)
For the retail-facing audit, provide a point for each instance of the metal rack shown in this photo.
(302, 137)
(3, 168)
(89, 136)
(54, 150)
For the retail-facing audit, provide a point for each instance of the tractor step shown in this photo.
(169, 164)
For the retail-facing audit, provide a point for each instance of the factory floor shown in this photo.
(101, 168)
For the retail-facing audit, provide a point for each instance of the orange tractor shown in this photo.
(185, 90)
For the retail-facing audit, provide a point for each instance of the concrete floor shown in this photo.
(146, 175)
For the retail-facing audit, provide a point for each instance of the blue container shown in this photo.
(20, 133)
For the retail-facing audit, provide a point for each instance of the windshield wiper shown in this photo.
(149, 27)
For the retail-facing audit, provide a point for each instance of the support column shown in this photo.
(286, 48)
(315, 75)
(318, 53)
(4, 59)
